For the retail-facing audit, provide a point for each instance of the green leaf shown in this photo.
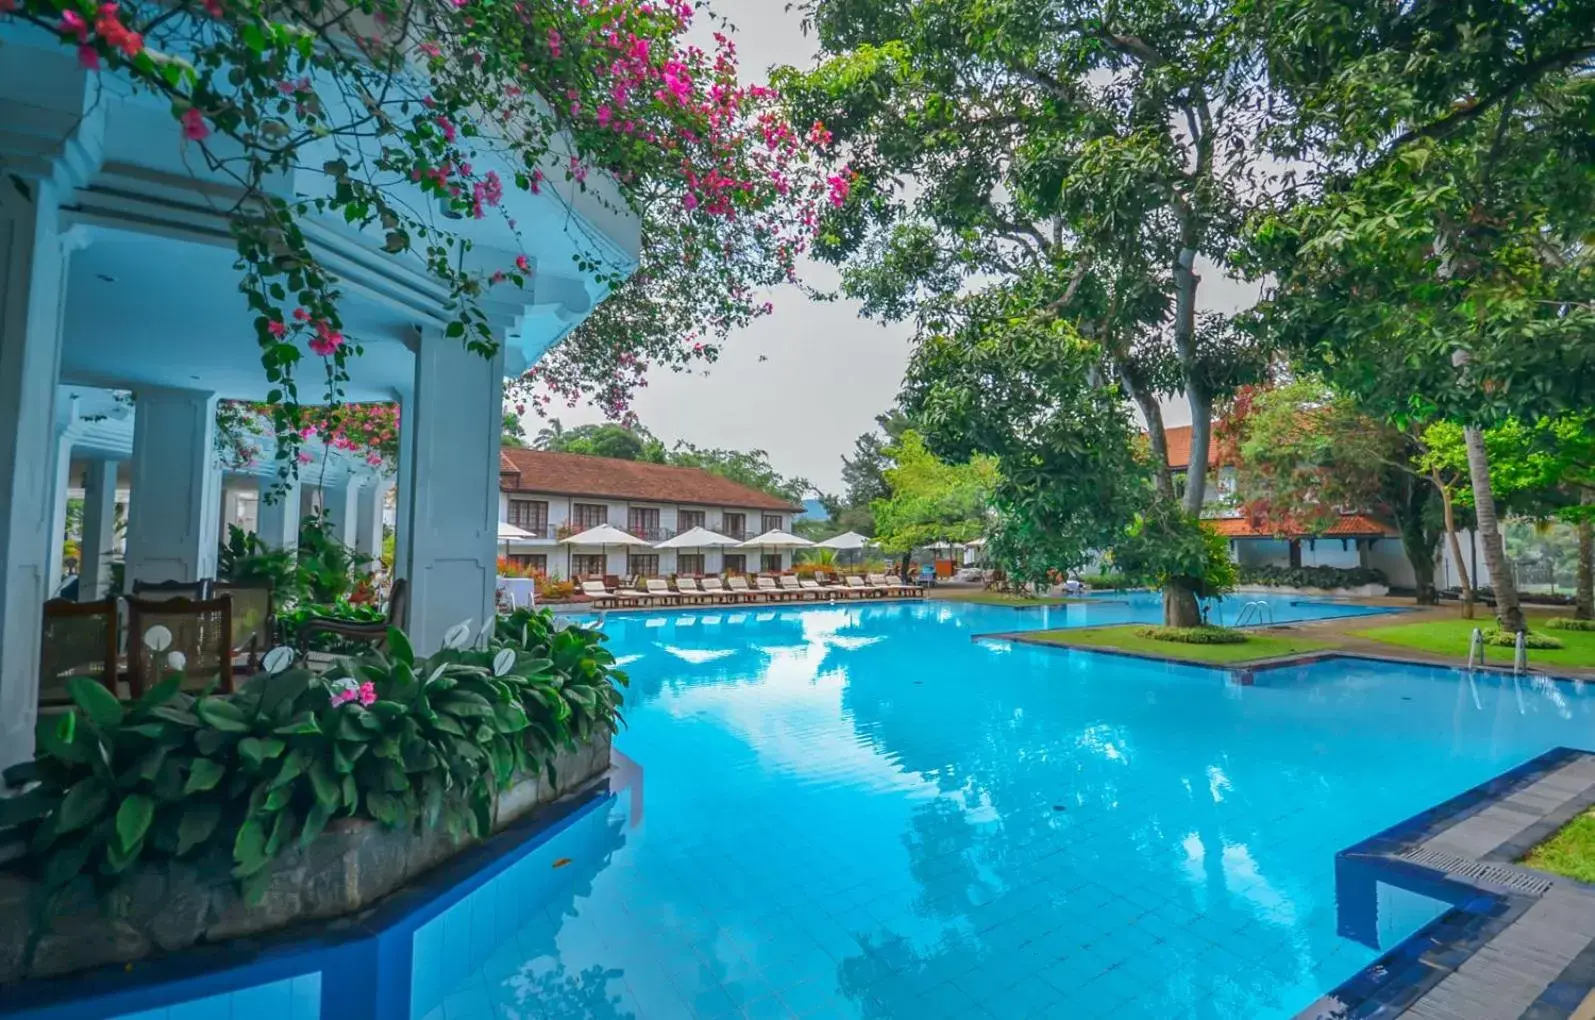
(222, 714)
(258, 749)
(133, 819)
(315, 822)
(160, 694)
(203, 775)
(57, 738)
(249, 847)
(399, 647)
(81, 805)
(324, 784)
(24, 807)
(198, 822)
(99, 704)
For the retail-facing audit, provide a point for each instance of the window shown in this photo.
(588, 515)
(734, 525)
(771, 522)
(736, 563)
(686, 520)
(689, 563)
(772, 563)
(645, 564)
(530, 514)
(643, 522)
(587, 565)
(537, 562)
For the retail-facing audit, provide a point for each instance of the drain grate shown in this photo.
(1478, 872)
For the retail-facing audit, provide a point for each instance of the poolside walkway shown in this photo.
(1518, 945)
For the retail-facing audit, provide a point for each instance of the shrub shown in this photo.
(1568, 623)
(554, 588)
(1506, 639)
(239, 778)
(1310, 577)
(1104, 580)
(1193, 635)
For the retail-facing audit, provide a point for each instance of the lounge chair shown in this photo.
(737, 585)
(790, 584)
(910, 590)
(769, 589)
(880, 584)
(716, 589)
(659, 591)
(834, 584)
(634, 594)
(856, 585)
(596, 591)
(687, 589)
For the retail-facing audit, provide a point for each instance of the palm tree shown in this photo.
(550, 436)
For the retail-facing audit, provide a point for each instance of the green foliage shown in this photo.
(1193, 635)
(236, 779)
(931, 501)
(1531, 639)
(245, 558)
(751, 468)
(290, 620)
(327, 569)
(1569, 623)
(1309, 577)
(1172, 548)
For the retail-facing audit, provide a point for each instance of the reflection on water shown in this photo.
(859, 811)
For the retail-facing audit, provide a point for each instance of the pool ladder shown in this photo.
(1520, 653)
(1254, 612)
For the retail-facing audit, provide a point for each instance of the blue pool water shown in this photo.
(857, 811)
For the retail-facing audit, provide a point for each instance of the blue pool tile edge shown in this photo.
(1398, 978)
(378, 942)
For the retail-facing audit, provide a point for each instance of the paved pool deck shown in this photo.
(1517, 944)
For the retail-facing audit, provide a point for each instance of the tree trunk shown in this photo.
(1456, 546)
(1508, 613)
(1417, 541)
(1201, 443)
(1156, 436)
(1584, 603)
(1180, 608)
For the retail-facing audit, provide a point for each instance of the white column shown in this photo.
(406, 482)
(171, 528)
(32, 296)
(455, 422)
(60, 481)
(343, 506)
(368, 519)
(310, 499)
(277, 522)
(99, 529)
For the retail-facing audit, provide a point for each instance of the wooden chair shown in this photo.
(79, 640)
(201, 631)
(151, 591)
(373, 633)
(254, 618)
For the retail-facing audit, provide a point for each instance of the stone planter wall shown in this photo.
(167, 907)
(1361, 591)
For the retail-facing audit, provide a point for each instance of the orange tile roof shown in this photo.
(1349, 526)
(575, 474)
(1179, 441)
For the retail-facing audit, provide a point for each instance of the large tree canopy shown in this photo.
(1070, 160)
(930, 501)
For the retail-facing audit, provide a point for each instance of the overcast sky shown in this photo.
(805, 382)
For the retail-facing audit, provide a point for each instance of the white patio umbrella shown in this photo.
(508, 533)
(603, 536)
(697, 538)
(847, 541)
(776, 539)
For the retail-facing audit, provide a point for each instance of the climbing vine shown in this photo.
(417, 115)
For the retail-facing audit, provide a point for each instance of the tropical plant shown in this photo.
(392, 738)
(1309, 577)
(1203, 635)
(243, 558)
(327, 569)
(1166, 544)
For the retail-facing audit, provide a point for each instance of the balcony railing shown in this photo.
(649, 534)
(564, 531)
(740, 534)
(543, 530)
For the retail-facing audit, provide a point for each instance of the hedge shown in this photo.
(1311, 577)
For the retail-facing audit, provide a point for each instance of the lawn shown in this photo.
(1125, 639)
(1570, 852)
(997, 598)
(1449, 638)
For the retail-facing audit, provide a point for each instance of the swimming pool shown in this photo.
(857, 811)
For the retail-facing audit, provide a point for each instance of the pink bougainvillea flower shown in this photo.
(194, 126)
(72, 24)
(88, 57)
(447, 127)
(840, 185)
(109, 26)
(213, 8)
(690, 201)
(301, 315)
(304, 458)
(326, 341)
(523, 264)
(374, 459)
(276, 329)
